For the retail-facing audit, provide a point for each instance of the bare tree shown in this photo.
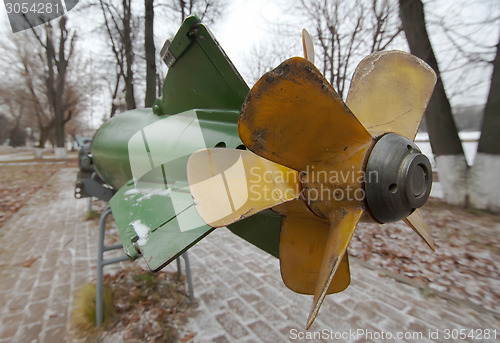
(347, 31)
(467, 45)
(58, 50)
(17, 110)
(484, 184)
(5, 127)
(25, 84)
(264, 57)
(446, 145)
(174, 12)
(43, 89)
(124, 28)
(34, 91)
(207, 10)
(150, 53)
(479, 185)
(119, 25)
(384, 24)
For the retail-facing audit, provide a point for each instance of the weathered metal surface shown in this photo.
(390, 91)
(302, 248)
(262, 230)
(110, 147)
(150, 223)
(293, 116)
(307, 46)
(342, 225)
(400, 178)
(417, 223)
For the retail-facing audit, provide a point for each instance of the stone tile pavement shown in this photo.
(240, 295)
(242, 299)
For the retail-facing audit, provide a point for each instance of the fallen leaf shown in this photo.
(187, 337)
(28, 263)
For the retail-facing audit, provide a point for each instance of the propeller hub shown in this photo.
(398, 178)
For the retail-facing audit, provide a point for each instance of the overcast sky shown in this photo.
(247, 23)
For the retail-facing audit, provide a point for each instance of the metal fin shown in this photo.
(343, 224)
(294, 117)
(303, 239)
(308, 46)
(417, 223)
(389, 93)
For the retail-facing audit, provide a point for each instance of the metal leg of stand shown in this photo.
(179, 267)
(188, 276)
(89, 208)
(100, 266)
(101, 262)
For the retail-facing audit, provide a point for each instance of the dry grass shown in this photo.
(142, 307)
(83, 315)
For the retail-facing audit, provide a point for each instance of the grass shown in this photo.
(138, 305)
(91, 215)
(83, 316)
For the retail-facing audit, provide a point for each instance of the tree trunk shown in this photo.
(149, 45)
(159, 85)
(50, 84)
(484, 183)
(443, 135)
(114, 107)
(60, 86)
(44, 134)
(129, 56)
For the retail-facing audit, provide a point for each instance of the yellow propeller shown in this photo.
(389, 93)
(341, 165)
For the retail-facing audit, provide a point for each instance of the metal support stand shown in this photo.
(188, 274)
(89, 208)
(101, 262)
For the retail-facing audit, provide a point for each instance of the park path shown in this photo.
(49, 250)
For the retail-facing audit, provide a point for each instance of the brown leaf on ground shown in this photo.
(187, 337)
(149, 306)
(28, 263)
(466, 263)
(18, 182)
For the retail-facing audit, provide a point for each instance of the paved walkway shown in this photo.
(49, 251)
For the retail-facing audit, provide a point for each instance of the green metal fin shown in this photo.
(261, 230)
(149, 223)
(200, 74)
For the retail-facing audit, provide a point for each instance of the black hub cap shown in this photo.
(398, 178)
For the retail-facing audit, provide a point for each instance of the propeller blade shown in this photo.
(294, 117)
(228, 184)
(308, 46)
(343, 224)
(302, 247)
(417, 223)
(389, 93)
